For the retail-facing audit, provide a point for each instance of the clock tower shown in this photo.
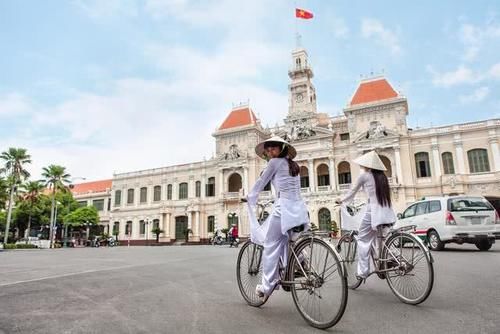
(302, 92)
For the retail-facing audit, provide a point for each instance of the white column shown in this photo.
(221, 182)
(399, 171)
(437, 160)
(190, 223)
(459, 152)
(171, 223)
(191, 190)
(175, 193)
(495, 152)
(136, 229)
(245, 181)
(333, 179)
(312, 181)
(196, 230)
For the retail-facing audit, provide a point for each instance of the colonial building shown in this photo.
(454, 159)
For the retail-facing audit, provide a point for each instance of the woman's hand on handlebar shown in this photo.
(244, 200)
(338, 201)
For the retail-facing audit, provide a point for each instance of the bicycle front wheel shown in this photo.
(348, 250)
(249, 272)
(410, 272)
(319, 288)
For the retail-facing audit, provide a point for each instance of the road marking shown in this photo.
(74, 274)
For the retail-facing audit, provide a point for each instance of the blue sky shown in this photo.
(112, 86)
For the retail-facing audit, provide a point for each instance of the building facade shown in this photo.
(199, 196)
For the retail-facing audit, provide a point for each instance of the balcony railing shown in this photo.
(232, 195)
(344, 186)
(324, 188)
(305, 190)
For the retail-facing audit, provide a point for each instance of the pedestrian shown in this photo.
(379, 210)
(289, 210)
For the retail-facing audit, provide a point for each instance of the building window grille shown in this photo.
(448, 167)
(157, 193)
(198, 189)
(210, 187)
(323, 175)
(304, 177)
(144, 195)
(211, 223)
(118, 197)
(98, 204)
(478, 160)
(422, 164)
(183, 190)
(130, 196)
(169, 191)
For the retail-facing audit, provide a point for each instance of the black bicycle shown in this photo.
(313, 273)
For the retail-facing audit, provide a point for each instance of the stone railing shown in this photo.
(345, 186)
(324, 188)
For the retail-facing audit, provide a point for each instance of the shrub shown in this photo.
(25, 246)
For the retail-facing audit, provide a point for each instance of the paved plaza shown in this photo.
(192, 289)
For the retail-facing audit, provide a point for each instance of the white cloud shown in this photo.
(476, 37)
(464, 75)
(371, 28)
(459, 76)
(14, 105)
(477, 95)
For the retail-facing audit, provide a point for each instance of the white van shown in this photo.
(459, 219)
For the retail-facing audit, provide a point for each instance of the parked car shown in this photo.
(459, 219)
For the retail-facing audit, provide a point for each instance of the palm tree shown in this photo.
(4, 192)
(15, 159)
(32, 189)
(55, 178)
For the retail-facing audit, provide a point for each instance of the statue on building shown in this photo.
(233, 153)
(376, 131)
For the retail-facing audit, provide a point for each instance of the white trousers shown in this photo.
(368, 238)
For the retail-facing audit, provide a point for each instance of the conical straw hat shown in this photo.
(259, 149)
(370, 160)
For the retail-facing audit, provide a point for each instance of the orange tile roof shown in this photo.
(94, 186)
(239, 117)
(373, 90)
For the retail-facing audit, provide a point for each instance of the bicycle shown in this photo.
(400, 258)
(314, 275)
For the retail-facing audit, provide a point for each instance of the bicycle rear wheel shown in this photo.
(249, 272)
(319, 288)
(348, 250)
(411, 272)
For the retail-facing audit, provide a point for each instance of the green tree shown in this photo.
(56, 179)
(157, 231)
(82, 215)
(4, 192)
(14, 160)
(32, 192)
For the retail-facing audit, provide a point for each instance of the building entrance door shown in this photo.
(181, 225)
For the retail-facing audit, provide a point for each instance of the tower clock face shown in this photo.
(299, 98)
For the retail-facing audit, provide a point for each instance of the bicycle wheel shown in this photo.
(348, 250)
(319, 288)
(410, 272)
(249, 272)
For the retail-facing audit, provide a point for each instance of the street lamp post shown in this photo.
(146, 223)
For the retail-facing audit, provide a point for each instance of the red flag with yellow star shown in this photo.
(303, 14)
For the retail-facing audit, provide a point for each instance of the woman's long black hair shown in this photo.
(293, 167)
(382, 188)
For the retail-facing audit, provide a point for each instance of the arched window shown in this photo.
(118, 197)
(344, 171)
(324, 219)
(234, 182)
(157, 193)
(116, 228)
(198, 189)
(211, 223)
(169, 191)
(304, 177)
(422, 164)
(323, 175)
(448, 167)
(128, 228)
(156, 224)
(183, 190)
(143, 198)
(232, 218)
(142, 227)
(478, 160)
(130, 196)
(387, 164)
(210, 187)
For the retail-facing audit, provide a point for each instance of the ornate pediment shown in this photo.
(233, 153)
(376, 132)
